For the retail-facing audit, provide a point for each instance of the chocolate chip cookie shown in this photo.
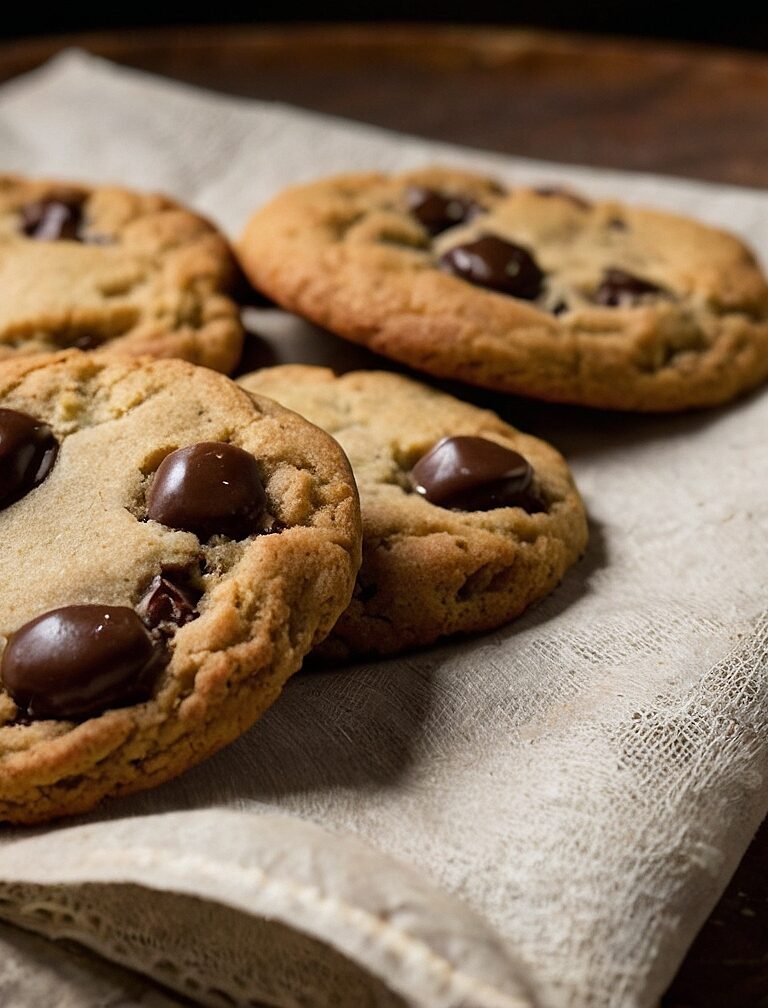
(109, 268)
(536, 292)
(466, 521)
(171, 547)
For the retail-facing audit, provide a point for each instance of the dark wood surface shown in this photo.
(685, 111)
(629, 104)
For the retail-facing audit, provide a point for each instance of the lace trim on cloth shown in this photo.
(248, 936)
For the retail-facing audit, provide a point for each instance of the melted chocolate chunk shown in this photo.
(498, 264)
(78, 661)
(437, 211)
(166, 601)
(86, 341)
(566, 194)
(27, 452)
(53, 220)
(621, 288)
(208, 488)
(475, 474)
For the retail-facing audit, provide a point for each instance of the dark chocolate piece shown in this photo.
(165, 601)
(437, 211)
(492, 262)
(208, 488)
(621, 288)
(53, 219)
(27, 452)
(474, 474)
(77, 661)
(86, 341)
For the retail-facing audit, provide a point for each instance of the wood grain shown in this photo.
(625, 104)
(689, 111)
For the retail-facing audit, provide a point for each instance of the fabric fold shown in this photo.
(235, 908)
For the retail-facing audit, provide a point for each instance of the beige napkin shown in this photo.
(542, 816)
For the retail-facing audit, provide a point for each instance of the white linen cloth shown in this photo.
(542, 816)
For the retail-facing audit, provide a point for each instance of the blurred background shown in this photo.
(736, 24)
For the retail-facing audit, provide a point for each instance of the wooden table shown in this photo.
(691, 111)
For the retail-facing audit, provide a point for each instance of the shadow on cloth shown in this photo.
(353, 728)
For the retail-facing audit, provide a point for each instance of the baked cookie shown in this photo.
(107, 267)
(466, 521)
(537, 292)
(171, 548)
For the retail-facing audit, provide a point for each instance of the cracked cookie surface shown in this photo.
(235, 617)
(534, 292)
(430, 571)
(105, 267)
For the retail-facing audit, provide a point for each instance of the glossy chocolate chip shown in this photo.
(86, 341)
(474, 474)
(208, 488)
(78, 661)
(437, 211)
(495, 263)
(27, 452)
(566, 194)
(621, 288)
(168, 600)
(52, 220)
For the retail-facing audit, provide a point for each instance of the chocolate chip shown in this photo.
(80, 341)
(621, 288)
(437, 211)
(77, 661)
(87, 341)
(208, 488)
(566, 194)
(495, 263)
(53, 219)
(559, 308)
(166, 601)
(616, 224)
(27, 452)
(474, 474)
